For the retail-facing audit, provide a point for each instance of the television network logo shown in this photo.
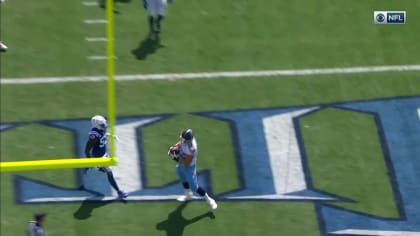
(389, 17)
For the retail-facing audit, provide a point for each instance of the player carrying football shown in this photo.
(96, 146)
(185, 154)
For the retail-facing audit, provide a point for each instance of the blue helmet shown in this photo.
(187, 135)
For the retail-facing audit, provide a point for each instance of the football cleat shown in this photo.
(212, 203)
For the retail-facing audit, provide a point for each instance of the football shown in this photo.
(174, 150)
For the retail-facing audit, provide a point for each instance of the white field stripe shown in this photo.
(97, 39)
(418, 112)
(95, 21)
(108, 198)
(90, 4)
(98, 57)
(211, 75)
(283, 152)
(128, 172)
(376, 232)
(279, 197)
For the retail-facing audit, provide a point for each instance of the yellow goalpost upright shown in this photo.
(60, 163)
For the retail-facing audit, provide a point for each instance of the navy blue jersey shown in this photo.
(99, 149)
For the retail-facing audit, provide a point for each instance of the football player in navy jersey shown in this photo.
(185, 153)
(96, 146)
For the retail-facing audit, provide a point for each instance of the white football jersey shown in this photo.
(189, 149)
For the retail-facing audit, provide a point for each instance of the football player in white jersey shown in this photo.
(185, 154)
(36, 227)
(157, 11)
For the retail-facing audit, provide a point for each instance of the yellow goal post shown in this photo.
(60, 163)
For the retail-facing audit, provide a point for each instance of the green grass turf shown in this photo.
(47, 38)
(345, 158)
(152, 219)
(73, 100)
(35, 142)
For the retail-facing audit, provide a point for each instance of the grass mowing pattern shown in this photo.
(37, 142)
(345, 158)
(154, 97)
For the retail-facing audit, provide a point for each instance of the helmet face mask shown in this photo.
(187, 136)
(99, 122)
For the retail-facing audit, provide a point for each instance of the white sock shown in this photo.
(207, 197)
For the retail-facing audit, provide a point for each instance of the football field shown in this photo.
(305, 113)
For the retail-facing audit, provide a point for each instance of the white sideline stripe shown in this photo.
(90, 4)
(99, 39)
(99, 58)
(211, 75)
(280, 197)
(95, 21)
(138, 198)
(376, 232)
(171, 197)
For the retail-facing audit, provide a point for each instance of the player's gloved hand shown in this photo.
(108, 134)
(170, 1)
(145, 4)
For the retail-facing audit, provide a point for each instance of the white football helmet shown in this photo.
(186, 136)
(99, 122)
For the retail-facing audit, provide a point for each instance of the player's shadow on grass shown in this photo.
(176, 222)
(86, 208)
(146, 47)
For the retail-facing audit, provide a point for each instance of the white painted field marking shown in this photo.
(110, 198)
(283, 151)
(97, 39)
(212, 75)
(376, 232)
(95, 21)
(98, 57)
(418, 112)
(128, 172)
(90, 4)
